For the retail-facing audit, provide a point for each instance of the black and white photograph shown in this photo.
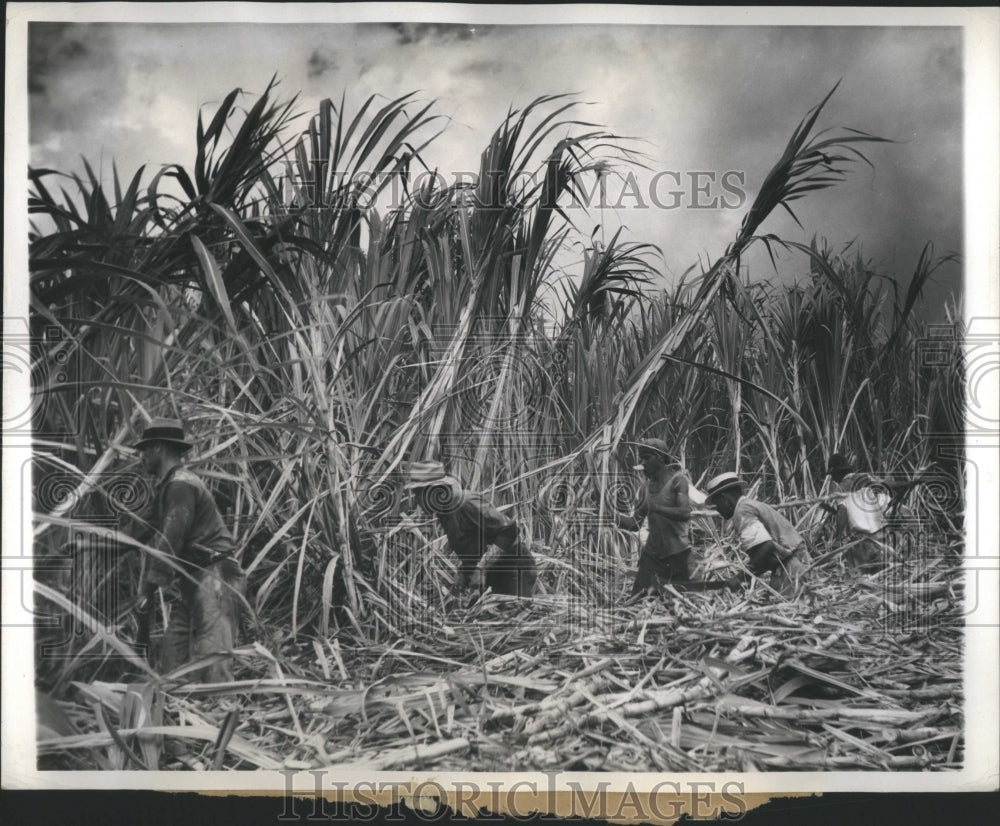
(565, 393)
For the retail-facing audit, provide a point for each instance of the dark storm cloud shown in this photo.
(320, 62)
(64, 64)
(408, 33)
(51, 48)
(903, 84)
(718, 99)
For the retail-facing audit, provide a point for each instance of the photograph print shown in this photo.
(574, 394)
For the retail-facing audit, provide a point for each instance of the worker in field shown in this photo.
(665, 504)
(769, 540)
(491, 553)
(861, 503)
(860, 509)
(193, 544)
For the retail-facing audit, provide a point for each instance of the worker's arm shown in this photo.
(468, 573)
(897, 487)
(497, 529)
(831, 504)
(493, 553)
(634, 521)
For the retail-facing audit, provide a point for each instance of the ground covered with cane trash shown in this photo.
(859, 673)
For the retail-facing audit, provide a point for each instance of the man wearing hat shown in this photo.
(769, 540)
(194, 544)
(666, 505)
(472, 525)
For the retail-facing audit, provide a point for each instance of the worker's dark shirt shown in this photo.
(472, 524)
(190, 526)
(667, 536)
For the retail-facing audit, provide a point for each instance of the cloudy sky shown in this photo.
(704, 99)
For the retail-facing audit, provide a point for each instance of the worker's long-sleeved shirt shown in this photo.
(191, 530)
(472, 524)
(756, 522)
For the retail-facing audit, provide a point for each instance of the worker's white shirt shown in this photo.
(865, 504)
(752, 533)
(866, 510)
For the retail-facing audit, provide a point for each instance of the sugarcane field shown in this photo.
(343, 459)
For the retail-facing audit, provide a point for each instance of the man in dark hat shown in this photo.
(665, 503)
(472, 525)
(769, 540)
(193, 543)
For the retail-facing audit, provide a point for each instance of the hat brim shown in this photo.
(181, 443)
(709, 497)
(695, 496)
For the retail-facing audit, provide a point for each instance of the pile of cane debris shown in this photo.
(860, 673)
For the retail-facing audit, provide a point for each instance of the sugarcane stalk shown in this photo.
(406, 756)
(815, 715)
(849, 761)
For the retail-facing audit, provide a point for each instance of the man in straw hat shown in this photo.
(770, 540)
(193, 543)
(665, 503)
(472, 525)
